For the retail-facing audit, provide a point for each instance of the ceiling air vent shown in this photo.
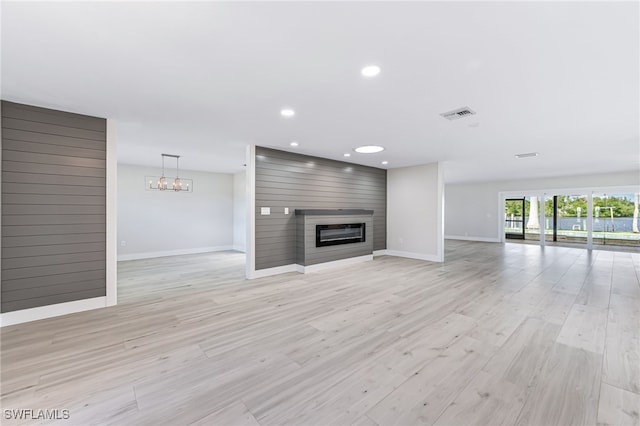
(526, 155)
(458, 113)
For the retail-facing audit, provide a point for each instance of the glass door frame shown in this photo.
(521, 195)
(514, 235)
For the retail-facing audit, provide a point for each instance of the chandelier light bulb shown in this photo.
(162, 183)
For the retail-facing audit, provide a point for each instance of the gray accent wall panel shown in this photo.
(53, 207)
(285, 179)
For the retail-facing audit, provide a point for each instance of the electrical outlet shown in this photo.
(265, 211)
(286, 210)
(123, 243)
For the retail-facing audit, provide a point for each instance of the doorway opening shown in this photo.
(522, 218)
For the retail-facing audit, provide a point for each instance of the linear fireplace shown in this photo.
(323, 236)
(345, 233)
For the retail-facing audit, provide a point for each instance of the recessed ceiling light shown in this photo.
(385, 163)
(346, 154)
(294, 143)
(287, 112)
(369, 149)
(370, 71)
(528, 154)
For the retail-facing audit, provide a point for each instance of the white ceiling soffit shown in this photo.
(204, 79)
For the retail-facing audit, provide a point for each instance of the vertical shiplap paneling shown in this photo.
(53, 207)
(285, 179)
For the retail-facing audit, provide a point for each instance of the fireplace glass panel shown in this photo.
(329, 235)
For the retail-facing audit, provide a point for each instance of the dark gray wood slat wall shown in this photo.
(53, 207)
(285, 179)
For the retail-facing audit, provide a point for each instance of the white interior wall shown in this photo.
(472, 209)
(239, 212)
(165, 223)
(414, 212)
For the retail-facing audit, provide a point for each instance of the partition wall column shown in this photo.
(590, 220)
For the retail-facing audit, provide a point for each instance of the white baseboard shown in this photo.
(42, 312)
(419, 256)
(261, 273)
(294, 267)
(468, 238)
(333, 264)
(150, 255)
(241, 249)
(379, 252)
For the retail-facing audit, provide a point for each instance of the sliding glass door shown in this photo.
(615, 219)
(594, 218)
(514, 218)
(571, 216)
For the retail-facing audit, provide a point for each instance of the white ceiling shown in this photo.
(205, 79)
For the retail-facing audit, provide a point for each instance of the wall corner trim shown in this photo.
(49, 311)
(440, 214)
(250, 190)
(379, 253)
(112, 214)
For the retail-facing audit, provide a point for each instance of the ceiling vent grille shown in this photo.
(526, 155)
(457, 114)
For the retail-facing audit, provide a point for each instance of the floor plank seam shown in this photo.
(606, 330)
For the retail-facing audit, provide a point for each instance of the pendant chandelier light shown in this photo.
(162, 183)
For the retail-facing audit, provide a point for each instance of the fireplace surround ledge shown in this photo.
(332, 212)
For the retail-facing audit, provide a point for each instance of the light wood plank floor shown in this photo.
(498, 334)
